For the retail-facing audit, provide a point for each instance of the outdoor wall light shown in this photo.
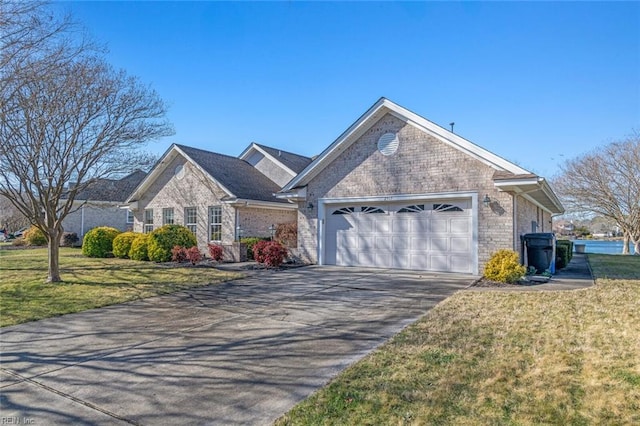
(272, 231)
(486, 200)
(310, 206)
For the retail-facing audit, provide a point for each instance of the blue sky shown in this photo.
(535, 83)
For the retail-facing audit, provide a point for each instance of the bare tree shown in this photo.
(65, 116)
(606, 182)
(10, 217)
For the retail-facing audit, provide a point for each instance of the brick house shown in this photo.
(218, 197)
(397, 191)
(100, 205)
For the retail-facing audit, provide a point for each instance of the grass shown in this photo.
(88, 283)
(502, 358)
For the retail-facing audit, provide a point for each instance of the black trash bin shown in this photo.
(540, 251)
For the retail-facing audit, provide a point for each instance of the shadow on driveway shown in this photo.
(239, 352)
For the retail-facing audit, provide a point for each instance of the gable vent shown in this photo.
(388, 143)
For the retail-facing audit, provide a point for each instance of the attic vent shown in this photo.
(388, 143)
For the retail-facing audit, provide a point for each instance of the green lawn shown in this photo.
(502, 358)
(88, 283)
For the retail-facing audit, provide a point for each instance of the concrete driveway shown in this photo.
(242, 352)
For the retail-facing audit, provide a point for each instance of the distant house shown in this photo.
(101, 205)
(218, 197)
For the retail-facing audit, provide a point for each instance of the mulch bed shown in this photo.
(483, 282)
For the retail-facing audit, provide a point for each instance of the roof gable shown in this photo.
(382, 107)
(234, 176)
(288, 161)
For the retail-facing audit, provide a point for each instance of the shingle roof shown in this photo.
(238, 176)
(295, 162)
(116, 190)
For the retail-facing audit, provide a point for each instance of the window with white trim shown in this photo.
(215, 223)
(416, 208)
(148, 221)
(344, 210)
(191, 218)
(167, 216)
(129, 216)
(446, 208)
(370, 210)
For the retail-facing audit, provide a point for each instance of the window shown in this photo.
(129, 216)
(416, 208)
(167, 216)
(191, 218)
(446, 208)
(369, 210)
(344, 210)
(215, 223)
(148, 221)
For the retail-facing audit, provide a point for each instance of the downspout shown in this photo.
(82, 222)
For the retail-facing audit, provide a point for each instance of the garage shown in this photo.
(429, 235)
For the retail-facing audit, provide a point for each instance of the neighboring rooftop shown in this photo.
(116, 190)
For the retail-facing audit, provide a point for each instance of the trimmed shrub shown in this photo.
(98, 242)
(270, 253)
(19, 242)
(139, 249)
(564, 261)
(259, 250)
(178, 254)
(287, 234)
(215, 251)
(35, 237)
(250, 242)
(70, 239)
(562, 256)
(163, 239)
(122, 244)
(504, 267)
(193, 255)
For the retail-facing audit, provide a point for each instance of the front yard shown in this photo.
(502, 358)
(88, 283)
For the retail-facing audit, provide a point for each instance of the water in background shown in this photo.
(602, 246)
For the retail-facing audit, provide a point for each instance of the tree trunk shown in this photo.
(625, 244)
(53, 275)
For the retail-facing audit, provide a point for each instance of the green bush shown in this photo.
(165, 238)
(122, 244)
(504, 267)
(98, 242)
(250, 242)
(139, 249)
(569, 252)
(35, 237)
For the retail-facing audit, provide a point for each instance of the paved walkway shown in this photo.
(575, 276)
(242, 352)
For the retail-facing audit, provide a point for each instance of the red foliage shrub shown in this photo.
(215, 251)
(270, 253)
(193, 255)
(259, 251)
(179, 254)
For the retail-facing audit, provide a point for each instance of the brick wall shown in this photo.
(194, 189)
(255, 222)
(422, 164)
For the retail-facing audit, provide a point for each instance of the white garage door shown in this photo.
(430, 236)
